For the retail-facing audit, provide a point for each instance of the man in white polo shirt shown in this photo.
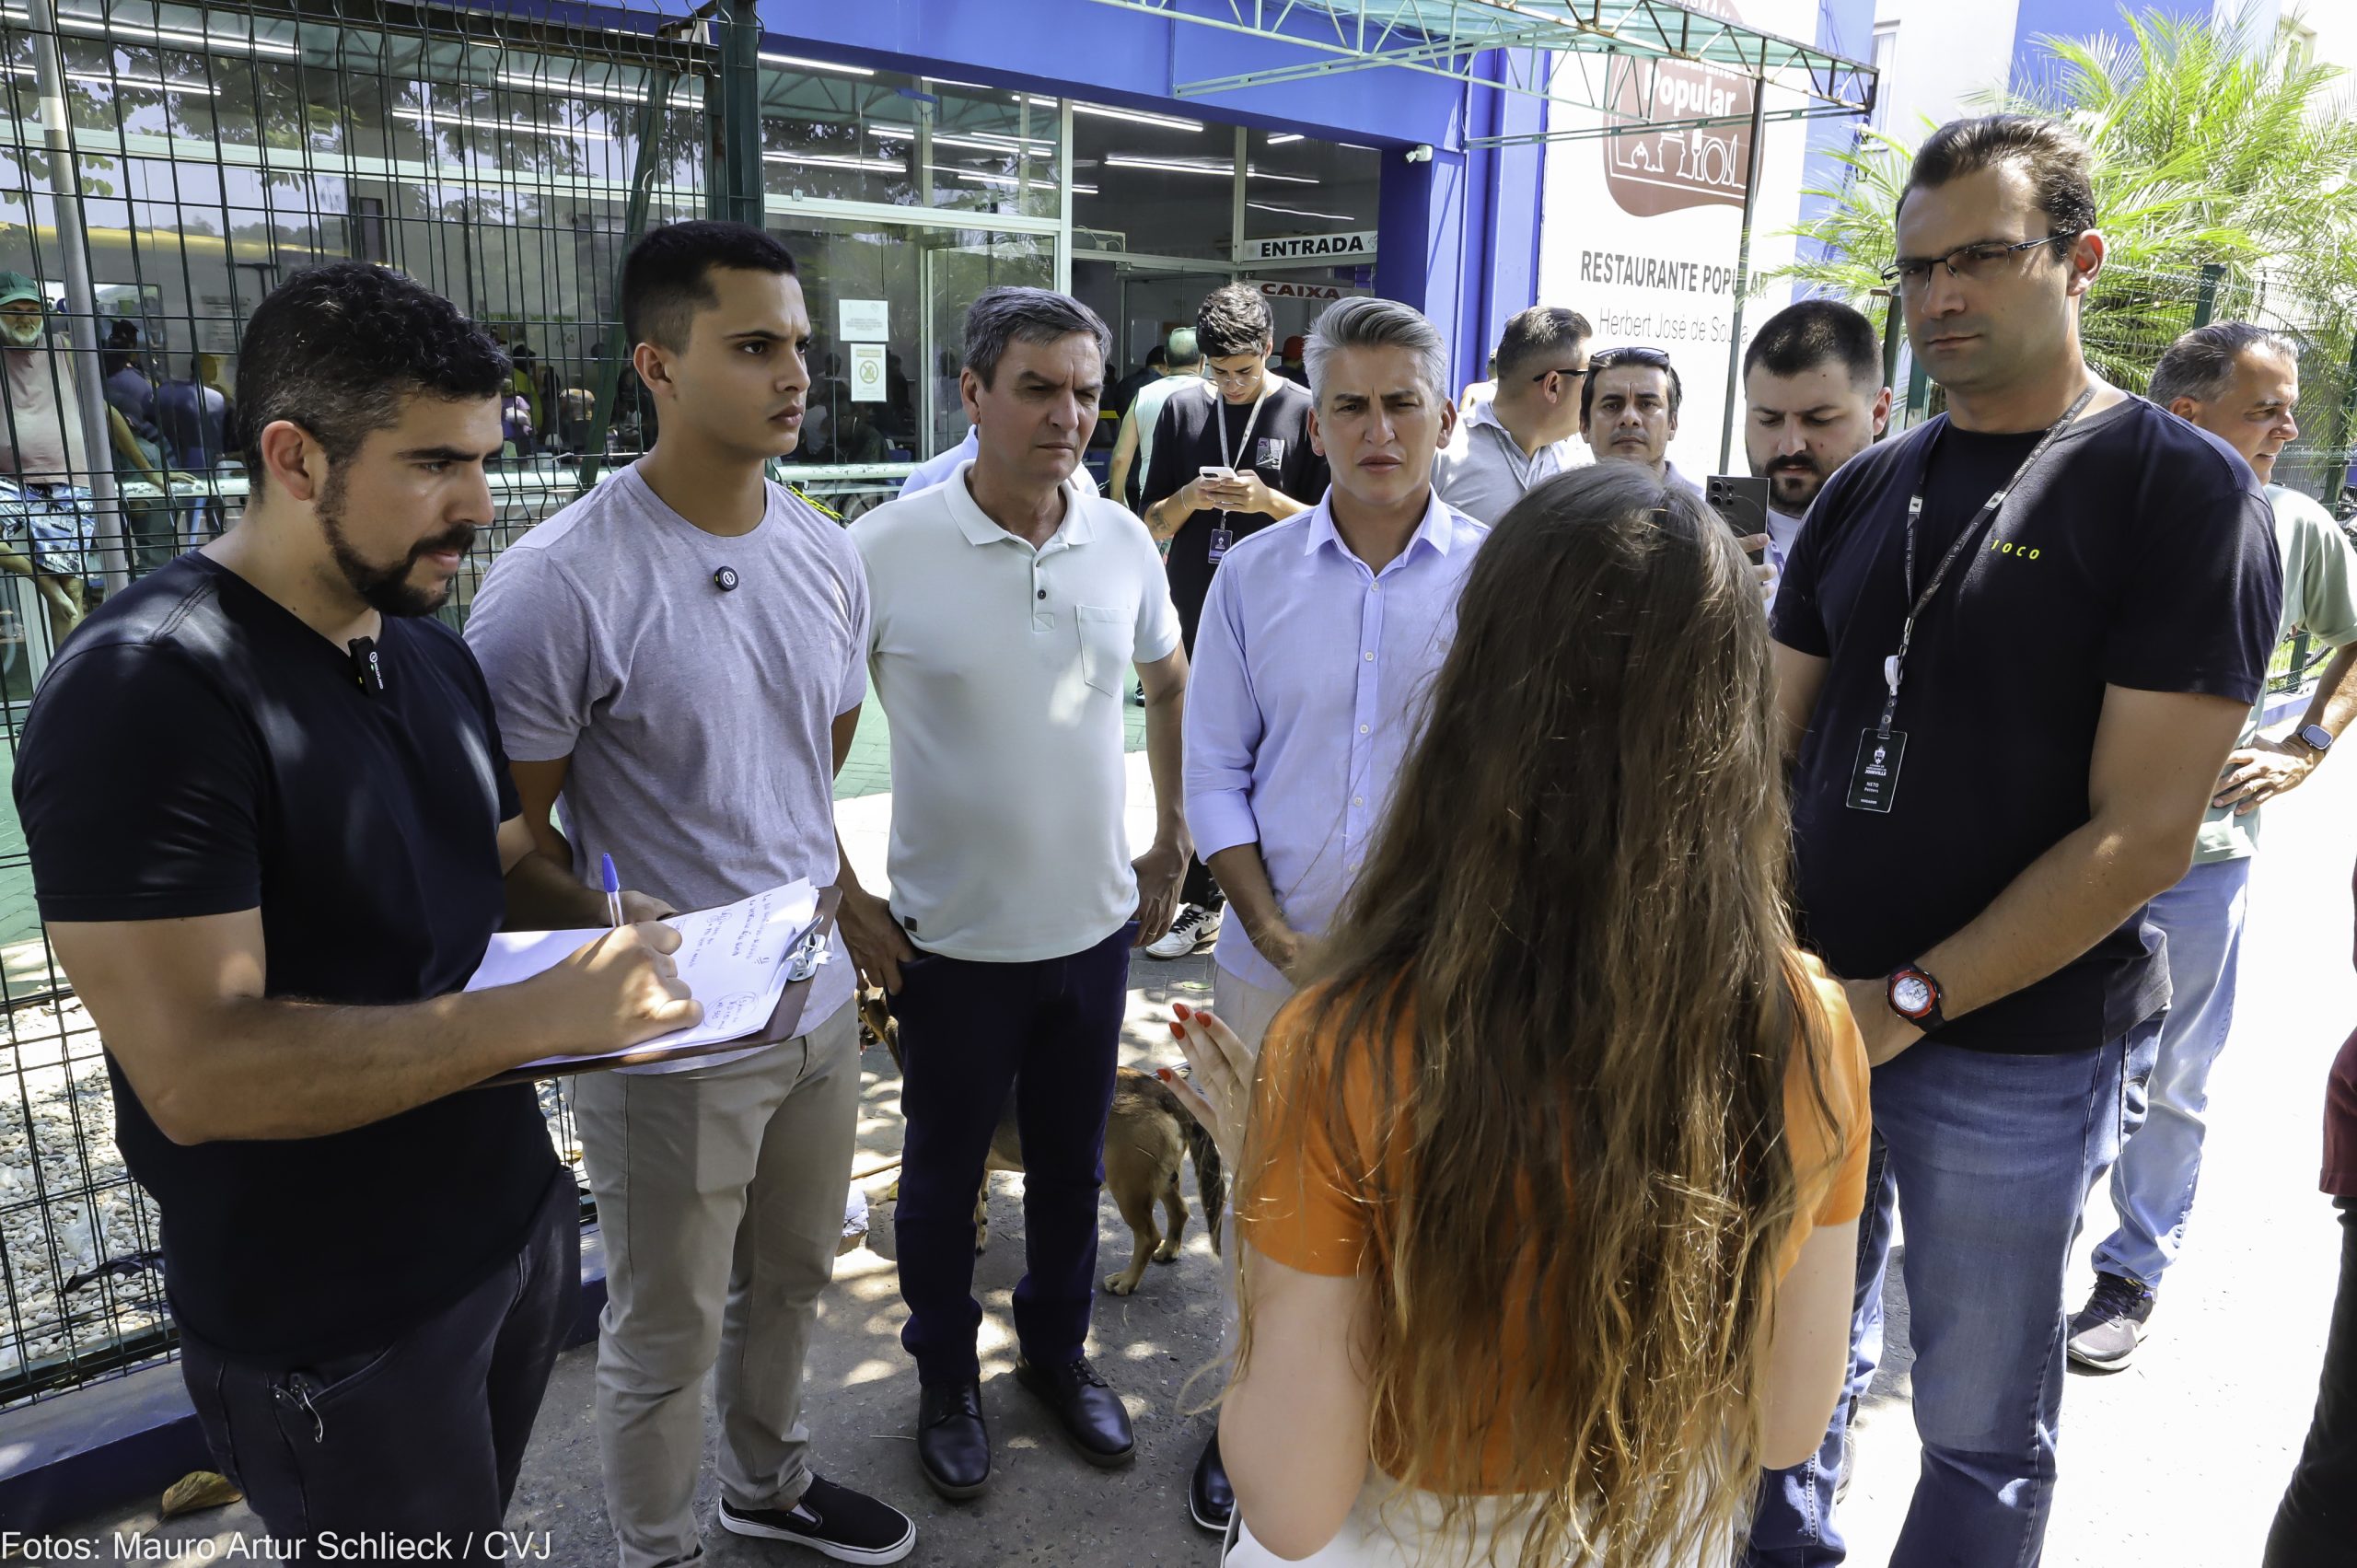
(1007, 615)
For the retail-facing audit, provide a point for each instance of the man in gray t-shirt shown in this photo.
(679, 660)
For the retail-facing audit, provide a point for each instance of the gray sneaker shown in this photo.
(2107, 1331)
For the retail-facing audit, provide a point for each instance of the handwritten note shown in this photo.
(733, 959)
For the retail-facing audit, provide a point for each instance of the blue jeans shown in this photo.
(2152, 1187)
(1992, 1157)
(1795, 1528)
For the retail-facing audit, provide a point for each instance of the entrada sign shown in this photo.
(1358, 247)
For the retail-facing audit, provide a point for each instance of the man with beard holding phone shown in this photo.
(1813, 399)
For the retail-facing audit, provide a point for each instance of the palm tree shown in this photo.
(2205, 153)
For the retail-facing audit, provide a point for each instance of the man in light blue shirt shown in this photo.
(1318, 638)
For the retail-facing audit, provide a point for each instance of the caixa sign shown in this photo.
(1651, 172)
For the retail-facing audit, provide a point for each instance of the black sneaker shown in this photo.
(831, 1519)
(2107, 1331)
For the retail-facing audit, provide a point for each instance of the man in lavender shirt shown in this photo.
(1319, 639)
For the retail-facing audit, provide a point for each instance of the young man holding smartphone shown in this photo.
(1228, 462)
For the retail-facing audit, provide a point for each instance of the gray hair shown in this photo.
(2200, 363)
(1376, 323)
(1001, 316)
(1184, 351)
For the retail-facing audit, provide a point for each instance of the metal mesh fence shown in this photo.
(161, 168)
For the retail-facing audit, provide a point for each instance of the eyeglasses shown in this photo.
(1658, 358)
(1239, 377)
(1966, 263)
(1568, 375)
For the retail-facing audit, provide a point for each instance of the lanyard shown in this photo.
(1244, 442)
(1894, 668)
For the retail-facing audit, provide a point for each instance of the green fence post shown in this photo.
(1919, 394)
(642, 193)
(2205, 304)
(2344, 427)
(736, 187)
(1894, 332)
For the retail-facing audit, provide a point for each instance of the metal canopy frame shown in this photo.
(1442, 37)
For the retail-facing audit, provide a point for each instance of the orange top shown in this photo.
(1306, 1209)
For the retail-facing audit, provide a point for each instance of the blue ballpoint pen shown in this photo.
(613, 890)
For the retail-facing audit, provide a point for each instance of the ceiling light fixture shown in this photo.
(1138, 117)
(823, 160)
(799, 64)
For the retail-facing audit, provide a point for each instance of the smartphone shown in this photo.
(1742, 502)
(1214, 472)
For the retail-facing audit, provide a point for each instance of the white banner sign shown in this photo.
(1640, 230)
(1356, 247)
(864, 320)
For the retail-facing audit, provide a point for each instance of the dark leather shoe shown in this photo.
(1091, 1412)
(953, 1446)
(1208, 1498)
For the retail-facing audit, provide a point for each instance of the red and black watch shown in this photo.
(1915, 996)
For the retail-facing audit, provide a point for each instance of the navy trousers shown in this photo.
(1051, 1030)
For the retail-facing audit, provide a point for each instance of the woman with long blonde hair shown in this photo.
(1551, 1178)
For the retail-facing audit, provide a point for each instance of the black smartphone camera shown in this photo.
(1742, 502)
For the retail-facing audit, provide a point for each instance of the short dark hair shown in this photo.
(1543, 331)
(2050, 152)
(1009, 314)
(1644, 359)
(1157, 354)
(1804, 335)
(667, 275)
(2202, 362)
(336, 349)
(1234, 320)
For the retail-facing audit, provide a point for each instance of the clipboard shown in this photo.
(786, 1022)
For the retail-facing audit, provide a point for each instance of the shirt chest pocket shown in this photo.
(1108, 638)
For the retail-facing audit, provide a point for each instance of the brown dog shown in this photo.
(1147, 1137)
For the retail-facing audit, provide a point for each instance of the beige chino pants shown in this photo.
(720, 1204)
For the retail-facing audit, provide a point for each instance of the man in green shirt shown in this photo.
(2241, 384)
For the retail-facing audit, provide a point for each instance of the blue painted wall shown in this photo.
(1845, 28)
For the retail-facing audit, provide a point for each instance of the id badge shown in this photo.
(1874, 783)
(1221, 539)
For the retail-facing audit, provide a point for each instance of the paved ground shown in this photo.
(2175, 1463)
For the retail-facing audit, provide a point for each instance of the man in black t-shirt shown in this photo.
(271, 833)
(1229, 459)
(1974, 852)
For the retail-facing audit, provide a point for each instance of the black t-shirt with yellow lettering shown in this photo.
(2140, 554)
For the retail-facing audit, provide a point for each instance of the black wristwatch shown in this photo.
(1915, 996)
(2314, 736)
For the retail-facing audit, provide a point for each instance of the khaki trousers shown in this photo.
(1248, 1009)
(720, 1203)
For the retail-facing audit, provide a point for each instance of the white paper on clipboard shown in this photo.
(733, 959)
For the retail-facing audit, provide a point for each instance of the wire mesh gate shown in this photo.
(162, 168)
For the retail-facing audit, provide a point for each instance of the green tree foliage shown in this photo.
(2205, 151)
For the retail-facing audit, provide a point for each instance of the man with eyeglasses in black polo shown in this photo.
(1528, 431)
(2011, 650)
(1229, 460)
(1628, 408)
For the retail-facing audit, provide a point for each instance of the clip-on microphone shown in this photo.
(365, 668)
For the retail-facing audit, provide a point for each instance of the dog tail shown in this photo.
(1210, 1177)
